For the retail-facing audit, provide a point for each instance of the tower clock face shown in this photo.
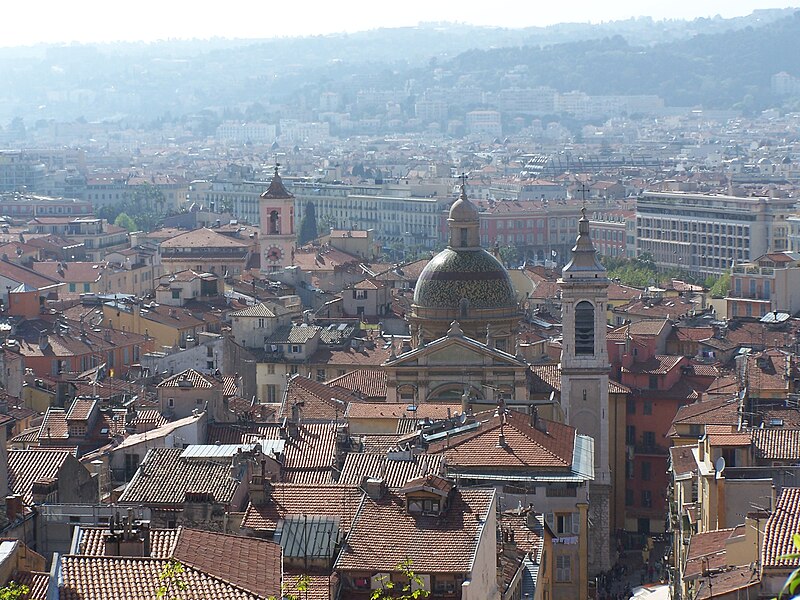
(274, 254)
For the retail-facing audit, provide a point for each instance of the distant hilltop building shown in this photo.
(484, 122)
(783, 84)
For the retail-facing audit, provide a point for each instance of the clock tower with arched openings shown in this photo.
(277, 236)
(584, 380)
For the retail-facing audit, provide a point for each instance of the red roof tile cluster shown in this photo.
(782, 524)
(286, 499)
(434, 544)
(776, 444)
(318, 400)
(165, 478)
(101, 578)
(368, 383)
(524, 445)
(395, 473)
(26, 467)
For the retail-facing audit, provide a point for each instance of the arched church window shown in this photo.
(584, 328)
(463, 307)
(273, 222)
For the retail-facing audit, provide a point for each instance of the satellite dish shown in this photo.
(719, 465)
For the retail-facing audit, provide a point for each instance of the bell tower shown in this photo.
(584, 378)
(277, 236)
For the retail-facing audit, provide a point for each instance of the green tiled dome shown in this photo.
(472, 274)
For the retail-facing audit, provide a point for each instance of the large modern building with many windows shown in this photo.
(707, 233)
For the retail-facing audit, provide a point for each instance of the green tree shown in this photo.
(124, 220)
(308, 226)
(509, 255)
(410, 589)
(171, 581)
(793, 580)
(722, 286)
(300, 586)
(14, 591)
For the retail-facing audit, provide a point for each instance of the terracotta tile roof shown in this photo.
(165, 478)
(729, 581)
(259, 310)
(526, 539)
(790, 417)
(248, 563)
(434, 544)
(101, 578)
(617, 292)
(697, 370)
(724, 411)
(769, 370)
(349, 357)
(307, 457)
(293, 334)
(399, 410)
(692, 334)
(781, 526)
(54, 425)
(21, 274)
(310, 499)
(776, 444)
(395, 473)
(71, 272)
(230, 385)
(327, 260)
(92, 541)
(548, 376)
(317, 398)
(202, 238)
(26, 467)
(658, 365)
(710, 546)
(37, 583)
(148, 419)
(645, 328)
(369, 383)
(727, 435)
(320, 587)
(525, 446)
(682, 460)
(81, 409)
(30, 435)
(195, 378)
(379, 442)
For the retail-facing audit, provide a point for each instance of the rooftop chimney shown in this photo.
(374, 487)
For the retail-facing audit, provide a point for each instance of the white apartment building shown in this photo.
(235, 131)
(409, 220)
(707, 233)
(484, 122)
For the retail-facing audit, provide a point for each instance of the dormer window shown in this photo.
(424, 506)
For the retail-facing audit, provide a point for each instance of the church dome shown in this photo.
(454, 275)
(463, 211)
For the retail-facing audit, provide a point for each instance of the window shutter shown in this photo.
(576, 523)
(550, 519)
(354, 294)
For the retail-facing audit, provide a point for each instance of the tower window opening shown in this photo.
(584, 328)
(464, 237)
(273, 222)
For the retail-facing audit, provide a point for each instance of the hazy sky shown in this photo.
(25, 22)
